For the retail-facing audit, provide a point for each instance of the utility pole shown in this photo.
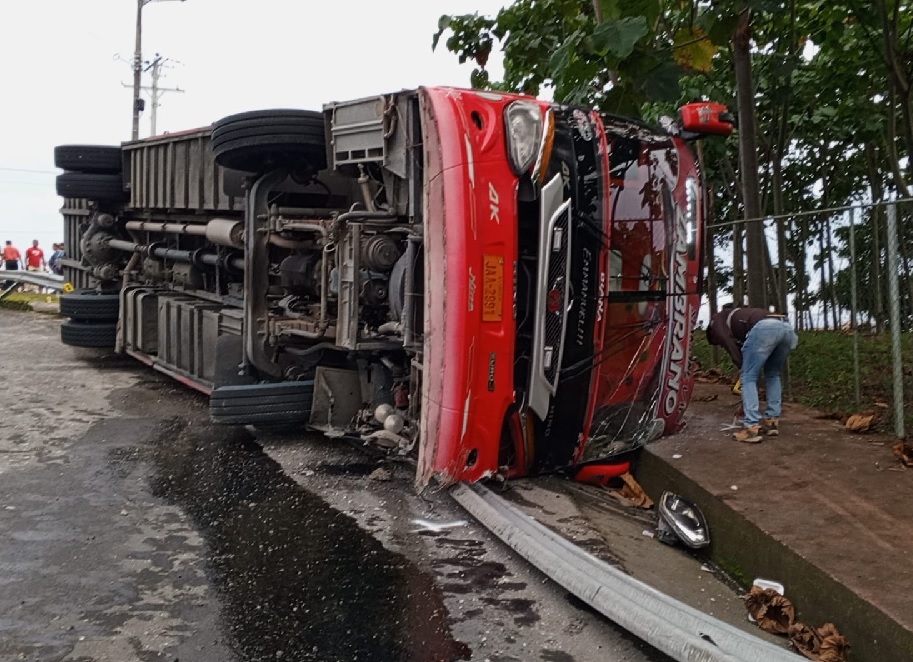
(156, 91)
(138, 68)
(138, 65)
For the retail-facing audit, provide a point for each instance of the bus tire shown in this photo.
(77, 333)
(91, 186)
(280, 403)
(90, 305)
(261, 140)
(97, 159)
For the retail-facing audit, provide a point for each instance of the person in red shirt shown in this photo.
(11, 257)
(10, 261)
(34, 258)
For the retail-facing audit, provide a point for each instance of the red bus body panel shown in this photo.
(470, 207)
(642, 299)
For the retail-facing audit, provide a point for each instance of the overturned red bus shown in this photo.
(498, 284)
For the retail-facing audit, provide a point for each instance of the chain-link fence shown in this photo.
(845, 278)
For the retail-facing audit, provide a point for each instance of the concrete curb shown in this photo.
(746, 552)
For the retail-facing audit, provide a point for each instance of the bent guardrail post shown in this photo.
(676, 629)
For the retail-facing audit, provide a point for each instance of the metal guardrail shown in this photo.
(10, 281)
(676, 629)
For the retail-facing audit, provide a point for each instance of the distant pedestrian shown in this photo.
(11, 257)
(755, 338)
(34, 261)
(54, 262)
(34, 258)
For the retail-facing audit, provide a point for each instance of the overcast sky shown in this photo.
(67, 76)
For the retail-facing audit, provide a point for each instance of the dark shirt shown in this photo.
(729, 328)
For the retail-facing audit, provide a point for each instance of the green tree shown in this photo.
(822, 90)
(611, 54)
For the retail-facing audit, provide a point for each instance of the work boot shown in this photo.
(749, 435)
(770, 427)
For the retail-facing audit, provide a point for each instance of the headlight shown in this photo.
(524, 134)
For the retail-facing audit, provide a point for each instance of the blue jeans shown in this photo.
(768, 344)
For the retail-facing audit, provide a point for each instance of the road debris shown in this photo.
(681, 521)
(824, 644)
(903, 452)
(774, 612)
(859, 422)
(631, 493)
(436, 527)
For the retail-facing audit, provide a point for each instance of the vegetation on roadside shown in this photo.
(813, 134)
(821, 373)
(23, 300)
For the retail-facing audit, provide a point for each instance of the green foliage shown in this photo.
(471, 36)
(617, 37)
(634, 53)
(866, 287)
(833, 91)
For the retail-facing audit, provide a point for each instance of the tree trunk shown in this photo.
(896, 59)
(748, 161)
(822, 289)
(777, 167)
(803, 296)
(831, 284)
(772, 284)
(877, 186)
(738, 265)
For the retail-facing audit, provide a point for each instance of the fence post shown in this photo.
(894, 306)
(853, 306)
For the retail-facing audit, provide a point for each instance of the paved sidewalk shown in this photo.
(823, 511)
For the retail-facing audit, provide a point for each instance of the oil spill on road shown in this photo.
(297, 580)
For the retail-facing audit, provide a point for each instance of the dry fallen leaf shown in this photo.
(632, 493)
(804, 639)
(834, 646)
(773, 612)
(882, 405)
(859, 422)
(903, 452)
(708, 398)
(824, 644)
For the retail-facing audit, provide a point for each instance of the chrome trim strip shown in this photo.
(551, 206)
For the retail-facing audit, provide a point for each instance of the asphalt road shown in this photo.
(134, 530)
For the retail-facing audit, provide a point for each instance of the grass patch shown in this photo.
(821, 372)
(23, 300)
(734, 572)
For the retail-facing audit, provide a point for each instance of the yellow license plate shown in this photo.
(492, 288)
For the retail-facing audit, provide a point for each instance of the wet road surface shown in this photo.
(135, 530)
(295, 576)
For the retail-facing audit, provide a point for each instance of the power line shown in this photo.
(18, 183)
(809, 212)
(37, 172)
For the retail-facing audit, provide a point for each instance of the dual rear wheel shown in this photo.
(93, 172)
(93, 318)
